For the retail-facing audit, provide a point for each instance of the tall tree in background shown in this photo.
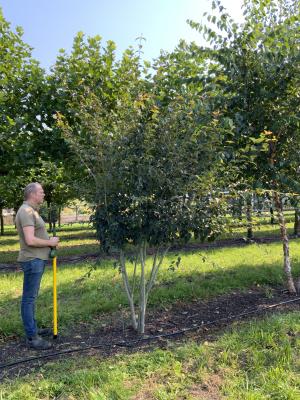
(18, 75)
(31, 147)
(256, 67)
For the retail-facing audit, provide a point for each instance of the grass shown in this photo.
(200, 275)
(259, 231)
(257, 360)
(79, 238)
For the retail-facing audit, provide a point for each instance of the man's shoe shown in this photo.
(37, 343)
(44, 332)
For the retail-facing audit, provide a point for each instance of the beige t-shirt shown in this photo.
(28, 216)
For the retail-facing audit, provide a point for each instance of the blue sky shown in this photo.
(52, 24)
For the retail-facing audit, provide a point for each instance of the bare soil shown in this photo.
(198, 320)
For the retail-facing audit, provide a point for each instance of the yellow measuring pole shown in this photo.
(54, 265)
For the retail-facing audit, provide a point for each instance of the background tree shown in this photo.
(17, 86)
(256, 68)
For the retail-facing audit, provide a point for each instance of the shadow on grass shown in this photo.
(83, 300)
(12, 231)
(258, 233)
(262, 220)
(69, 227)
(78, 236)
(79, 249)
(70, 236)
(10, 257)
(7, 242)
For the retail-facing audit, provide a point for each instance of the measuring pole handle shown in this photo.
(54, 265)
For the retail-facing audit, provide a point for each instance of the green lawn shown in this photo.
(261, 227)
(79, 239)
(257, 360)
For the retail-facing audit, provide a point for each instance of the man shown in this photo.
(34, 252)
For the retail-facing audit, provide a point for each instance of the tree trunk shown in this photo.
(2, 222)
(59, 217)
(272, 221)
(49, 216)
(240, 208)
(283, 231)
(297, 223)
(249, 217)
(259, 205)
(138, 323)
(129, 292)
(285, 242)
(142, 314)
(14, 216)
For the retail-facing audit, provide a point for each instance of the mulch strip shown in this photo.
(197, 315)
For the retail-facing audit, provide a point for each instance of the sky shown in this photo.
(50, 25)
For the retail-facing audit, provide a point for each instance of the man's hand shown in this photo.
(54, 241)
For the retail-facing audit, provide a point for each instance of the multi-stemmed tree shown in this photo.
(147, 151)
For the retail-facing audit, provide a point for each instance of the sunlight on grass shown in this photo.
(200, 275)
(80, 240)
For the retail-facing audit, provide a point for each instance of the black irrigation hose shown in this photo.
(145, 339)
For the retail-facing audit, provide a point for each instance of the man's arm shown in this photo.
(33, 241)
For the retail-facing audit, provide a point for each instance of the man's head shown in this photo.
(34, 193)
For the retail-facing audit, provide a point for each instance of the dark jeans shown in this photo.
(33, 272)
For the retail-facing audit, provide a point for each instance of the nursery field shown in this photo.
(180, 278)
(255, 358)
(78, 239)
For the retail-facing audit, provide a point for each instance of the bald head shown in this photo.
(34, 193)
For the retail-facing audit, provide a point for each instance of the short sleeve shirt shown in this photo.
(29, 216)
